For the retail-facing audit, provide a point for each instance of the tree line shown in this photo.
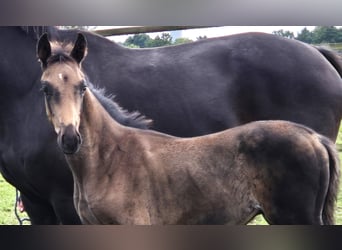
(319, 35)
(145, 41)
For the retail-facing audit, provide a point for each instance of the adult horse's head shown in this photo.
(63, 84)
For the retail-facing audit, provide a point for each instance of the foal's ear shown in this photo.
(80, 48)
(43, 50)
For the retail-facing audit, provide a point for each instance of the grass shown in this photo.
(336, 46)
(6, 203)
(7, 200)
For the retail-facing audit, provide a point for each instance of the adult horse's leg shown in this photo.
(40, 212)
(64, 209)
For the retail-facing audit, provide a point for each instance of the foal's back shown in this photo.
(281, 169)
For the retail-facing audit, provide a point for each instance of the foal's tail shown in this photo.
(334, 177)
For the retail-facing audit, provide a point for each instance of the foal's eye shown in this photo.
(83, 88)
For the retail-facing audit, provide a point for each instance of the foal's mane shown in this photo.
(122, 116)
(58, 55)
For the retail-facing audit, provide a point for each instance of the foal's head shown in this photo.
(63, 84)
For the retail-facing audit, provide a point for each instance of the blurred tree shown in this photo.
(78, 27)
(163, 40)
(286, 33)
(326, 34)
(305, 36)
(139, 40)
(182, 40)
(145, 41)
(321, 34)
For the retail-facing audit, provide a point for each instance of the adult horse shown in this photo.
(125, 175)
(191, 89)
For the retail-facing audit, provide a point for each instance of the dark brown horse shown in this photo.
(125, 175)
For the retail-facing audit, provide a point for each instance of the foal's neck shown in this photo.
(101, 137)
(97, 125)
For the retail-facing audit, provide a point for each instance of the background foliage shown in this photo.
(319, 35)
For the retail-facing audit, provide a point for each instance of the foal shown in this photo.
(125, 175)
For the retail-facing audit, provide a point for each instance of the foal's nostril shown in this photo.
(70, 140)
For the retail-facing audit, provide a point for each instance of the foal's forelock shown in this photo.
(61, 47)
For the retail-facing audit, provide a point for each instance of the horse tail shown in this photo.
(334, 177)
(333, 58)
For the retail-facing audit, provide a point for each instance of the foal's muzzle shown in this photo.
(69, 140)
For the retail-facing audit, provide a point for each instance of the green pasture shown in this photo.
(336, 46)
(7, 200)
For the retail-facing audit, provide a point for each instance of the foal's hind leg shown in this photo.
(294, 207)
(281, 217)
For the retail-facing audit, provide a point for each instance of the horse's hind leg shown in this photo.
(281, 217)
(295, 207)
